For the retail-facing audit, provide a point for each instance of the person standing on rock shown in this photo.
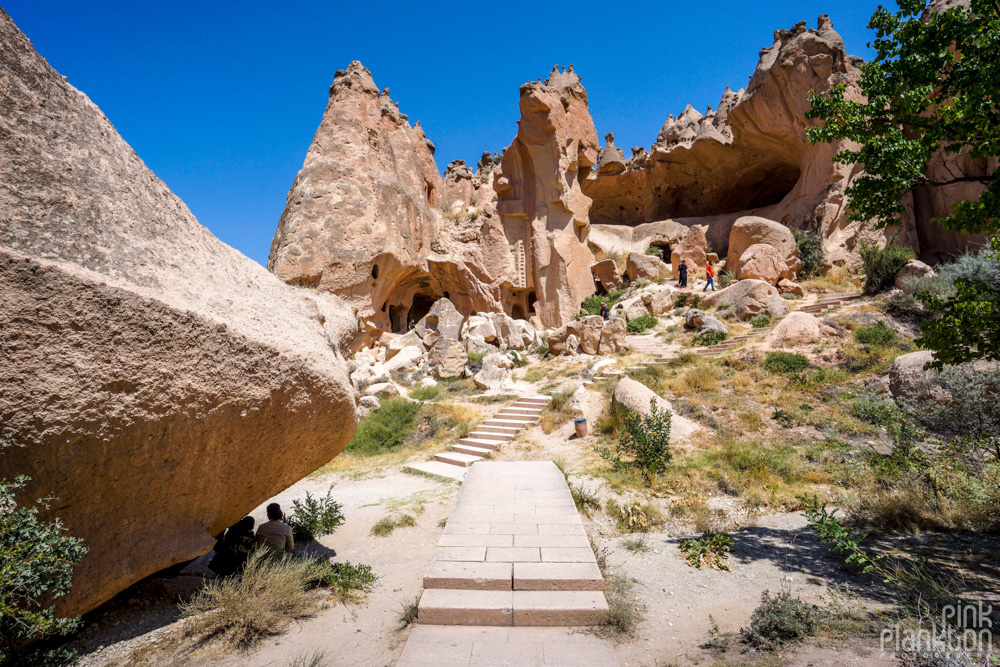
(605, 313)
(682, 274)
(275, 533)
(709, 278)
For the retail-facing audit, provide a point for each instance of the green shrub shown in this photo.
(810, 247)
(710, 338)
(315, 517)
(346, 579)
(710, 549)
(724, 279)
(781, 619)
(592, 304)
(882, 264)
(644, 438)
(425, 393)
(877, 334)
(385, 526)
(640, 324)
(681, 300)
(873, 410)
(36, 565)
(785, 362)
(476, 361)
(696, 300)
(760, 321)
(655, 251)
(384, 429)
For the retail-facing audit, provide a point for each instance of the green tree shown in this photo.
(934, 86)
(36, 565)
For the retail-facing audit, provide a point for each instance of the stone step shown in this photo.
(504, 422)
(490, 435)
(513, 410)
(497, 430)
(456, 459)
(481, 443)
(468, 575)
(541, 400)
(516, 419)
(438, 469)
(445, 606)
(481, 452)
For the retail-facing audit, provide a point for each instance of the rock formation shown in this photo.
(155, 380)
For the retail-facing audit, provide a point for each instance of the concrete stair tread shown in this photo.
(438, 469)
(457, 459)
(447, 606)
(472, 450)
(483, 443)
(495, 437)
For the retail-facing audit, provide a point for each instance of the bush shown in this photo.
(345, 579)
(315, 517)
(710, 338)
(882, 264)
(873, 410)
(785, 362)
(385, 526)
(241, 611)
(710, 549)
(681, 300)
(384, 429)
(476, 361)
(430, 392)
(36, 565)
(724, 279)
(640, 324)
(592, 304)
(760, 321)
(810, 247)
(781, 619)
(877, 334)
(623, 615)
(556, 412)
(655, 251)
(644, 438)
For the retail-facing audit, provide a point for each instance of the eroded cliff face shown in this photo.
(544, 211)
(156, 381)
(750, 156)
(364, 218)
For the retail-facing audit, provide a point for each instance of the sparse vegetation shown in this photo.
(556, 412)
(623, 614)
(315, 517)
(781, 619)
(655, 251)
(710, 338)
(640, 324)
(585, 500)
(384, 429)
(681, 300)
(592, 304)
(408, 612)
(636, 544)
(345, 579)
(476, 361)
(881, 265)
(810, 245)
(711, 549)
(425, 393)
(386, 525)
(785, 362)
(314, 659)
(644, 440)
(760, 321)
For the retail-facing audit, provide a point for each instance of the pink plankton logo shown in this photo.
(963, 627)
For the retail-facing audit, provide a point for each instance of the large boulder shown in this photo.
(631, 308)
(711, 324)
(909, 382)
(748, 298)
(613, 336)
(642, 266)
(558, 338)
(763, 262)
(398, 343)
(529, 335)
(477, 345)
(911, 270)
(692, 249)
(662, 302)
(788, 287)
(447, 359)
(404, 359)
(481, 325)
(590, 334)
(637, 396)
(694, 318)
(495, 374)
(796, 328)
(753, 230)
(443, 318)
(157, 382)
(606, 274)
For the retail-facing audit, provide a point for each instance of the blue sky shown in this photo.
(221, 99)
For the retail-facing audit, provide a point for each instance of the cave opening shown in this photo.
(664, 247)
(517, 311)
(420, 306)
(397, 319)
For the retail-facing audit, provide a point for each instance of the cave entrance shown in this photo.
(397, 319)
(421, 306)
(517, 312)
(664, 248)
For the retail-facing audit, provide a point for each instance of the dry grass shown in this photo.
(386, 525)
(838, 278)
(240, 612)
(620, 258)
(557, 412)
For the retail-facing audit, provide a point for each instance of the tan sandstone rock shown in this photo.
(637, 396)
(447, 359)
(613, 337)
(691, 249)
(796, 328)
(642, 266)
(606, 274)
(763, 262)
(590, 334)
(752, 230)
(748, 298)
(786, 286)
(158, 383)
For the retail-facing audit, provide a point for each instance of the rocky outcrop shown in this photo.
(612, 158)
(157, 381)
(590, 334)
(753, 230)
(543, 210)
(642, 266)
(363, 219)
(797, 328)
(748, 298)
(606, 275)
(692, 249)
(637, 396)
(912, 270)
(763, 262)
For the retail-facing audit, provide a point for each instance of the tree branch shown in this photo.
(962, 179)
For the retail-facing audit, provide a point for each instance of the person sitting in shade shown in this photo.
(274, 532)
(233, 549)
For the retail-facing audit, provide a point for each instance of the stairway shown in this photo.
(489, 435)
(649, 344)
(514, 552)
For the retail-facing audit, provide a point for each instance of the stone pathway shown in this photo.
(514, 554)
(489, 435)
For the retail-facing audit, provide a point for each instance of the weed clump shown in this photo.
(556, 412)
(881, 265)
(384, 526)
(645, 438)
(640, 324)
(711, 549)
(760, 321)
(384, 429)
(878, 334)
(785, 362)
(710, 338)
(780, 619)
(315, 517)
(425, 393)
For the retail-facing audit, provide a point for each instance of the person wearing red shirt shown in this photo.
(709, 277)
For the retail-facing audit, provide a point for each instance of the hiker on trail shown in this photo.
(275, 533)
(709, 277)
(604, 311)
(233, 550)
(682, 274)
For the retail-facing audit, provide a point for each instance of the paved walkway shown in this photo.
(514, 555)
